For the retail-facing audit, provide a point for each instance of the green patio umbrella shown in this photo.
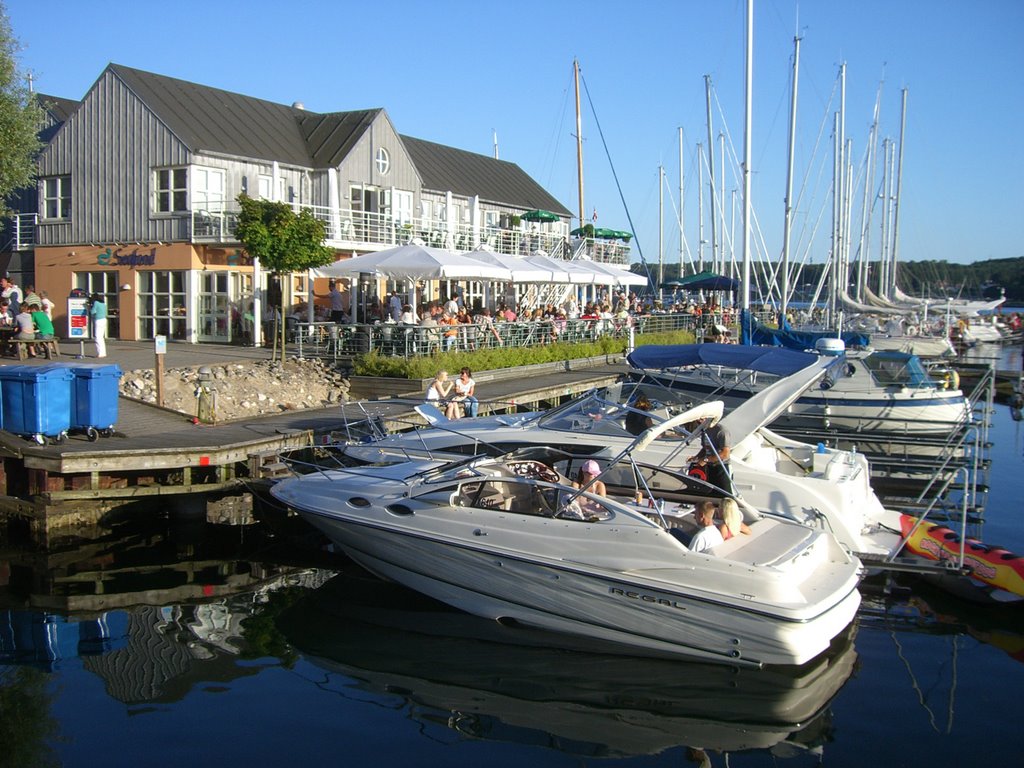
(539, 215)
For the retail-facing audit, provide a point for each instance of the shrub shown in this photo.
(423, 367)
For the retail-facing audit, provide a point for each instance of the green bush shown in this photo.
(374, 364)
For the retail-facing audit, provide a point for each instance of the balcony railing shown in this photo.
(23, 231)
(355, 230)
(349, 229)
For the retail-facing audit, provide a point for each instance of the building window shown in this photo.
(105, 284)
(383, 161)
(57, 197)
(266, 190)
(171, 190)
(163, 307)
(207, 189)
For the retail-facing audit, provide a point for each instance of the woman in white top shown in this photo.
(438, 392)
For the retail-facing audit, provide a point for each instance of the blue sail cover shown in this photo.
(754, 332)
(780, 362)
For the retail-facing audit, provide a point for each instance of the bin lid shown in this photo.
(95, 370)
(35, 372)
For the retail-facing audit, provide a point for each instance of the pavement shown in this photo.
(134, 355)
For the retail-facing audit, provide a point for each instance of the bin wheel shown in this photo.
(108, 432)
(61, 437)
(40, 439)
(92, 434)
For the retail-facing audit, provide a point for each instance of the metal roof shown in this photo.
(468, 173)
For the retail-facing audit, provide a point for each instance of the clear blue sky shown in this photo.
(453, 71)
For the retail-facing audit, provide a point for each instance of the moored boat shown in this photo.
(512, 539)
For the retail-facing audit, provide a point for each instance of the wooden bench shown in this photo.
(50, 348)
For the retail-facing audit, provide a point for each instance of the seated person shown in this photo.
(637, 421)
(588, 472)
(708, 536)
(732, 524)
(438, 394)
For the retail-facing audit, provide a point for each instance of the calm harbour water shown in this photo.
(189, 645)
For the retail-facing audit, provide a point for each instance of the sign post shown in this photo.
(78, 321)
(160, 347)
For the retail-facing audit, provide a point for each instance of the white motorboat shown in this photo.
(511, 539)
(874, 392)
(815, 485)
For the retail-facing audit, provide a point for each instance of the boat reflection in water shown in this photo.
(519, 685)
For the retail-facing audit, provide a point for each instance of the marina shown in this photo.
(161, 629)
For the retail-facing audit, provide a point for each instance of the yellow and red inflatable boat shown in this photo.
(992, 565)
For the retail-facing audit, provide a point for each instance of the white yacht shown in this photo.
(512, 539)
(815, 485)
(872, 392)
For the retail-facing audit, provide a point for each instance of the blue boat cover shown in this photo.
(754, 332)
(781, 362)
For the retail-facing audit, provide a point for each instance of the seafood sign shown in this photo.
(990, 564)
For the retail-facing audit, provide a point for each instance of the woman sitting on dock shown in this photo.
(438, 392)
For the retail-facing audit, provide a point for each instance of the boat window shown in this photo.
(889, 368)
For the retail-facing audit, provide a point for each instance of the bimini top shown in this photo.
(773, 360)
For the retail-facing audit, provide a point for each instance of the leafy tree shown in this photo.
(283, 241)
(20, 120)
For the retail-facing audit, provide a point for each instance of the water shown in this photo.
(194, 645)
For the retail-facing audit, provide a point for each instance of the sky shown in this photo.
(460, 72)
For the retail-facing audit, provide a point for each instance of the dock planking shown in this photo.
(156, 452)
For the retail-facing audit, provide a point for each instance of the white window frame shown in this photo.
(176, 196)
(382, 161)
(207, 189)
(265, 186)
(56, 195)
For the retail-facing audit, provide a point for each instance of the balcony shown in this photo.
(348, 229)
(22, 229)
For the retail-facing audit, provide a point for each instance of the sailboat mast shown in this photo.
(711, 170)
(747, 131)
(681, 238)
(579, 139)
(899, 189)
(661, 227)
(789, 177)
(700, 208)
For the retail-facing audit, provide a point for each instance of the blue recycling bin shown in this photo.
(94, 398)
(36, 400)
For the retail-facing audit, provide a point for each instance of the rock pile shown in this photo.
(250, 389)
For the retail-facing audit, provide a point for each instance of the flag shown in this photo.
(594, 216)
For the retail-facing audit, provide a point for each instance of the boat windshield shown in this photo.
(605, 412)
(894, 368)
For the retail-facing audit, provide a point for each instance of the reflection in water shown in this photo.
(492, 682)
(913, 605)
(152, 612)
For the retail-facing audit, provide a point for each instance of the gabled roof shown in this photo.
(467, 173)
(211, 120)
(59, 108)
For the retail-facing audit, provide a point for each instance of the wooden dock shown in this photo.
(156, 452)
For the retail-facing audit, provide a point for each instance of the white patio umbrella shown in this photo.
(415, 262)
(618, 275)
(563, 271)
(522, 270)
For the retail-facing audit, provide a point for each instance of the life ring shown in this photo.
(697, 471)
(912, 330)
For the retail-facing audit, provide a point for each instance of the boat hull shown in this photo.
(580, 600)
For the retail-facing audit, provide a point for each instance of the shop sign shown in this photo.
(121, 258)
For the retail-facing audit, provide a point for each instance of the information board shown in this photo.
(78, 318)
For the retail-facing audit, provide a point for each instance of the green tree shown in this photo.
(284, 241)
(20, 120)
